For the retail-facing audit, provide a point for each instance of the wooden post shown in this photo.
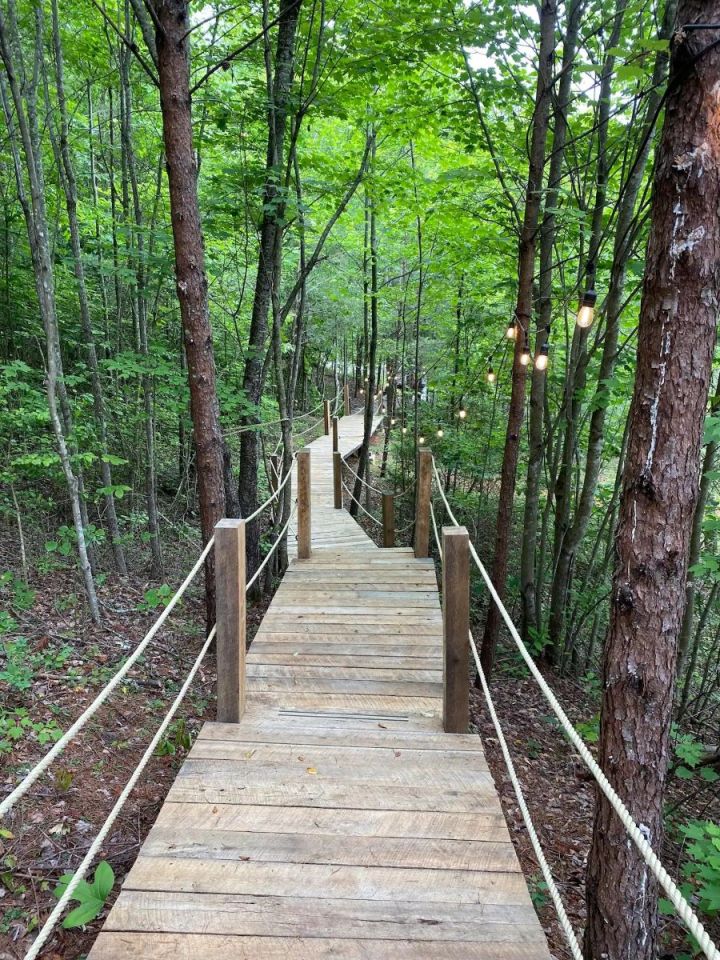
(456, 629)
(326, 417)
(335, 434)
(422, 503)
(303, 507)
(346, 393)
(388, 516)
(337, 479)
(230, 618)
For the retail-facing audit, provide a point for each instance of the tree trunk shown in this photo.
(69, 183)
(570, 535)
(174, 73)
(364, 452)
(529, 593)
(279, 88)
(523, 311)
(35, 214)
(676, 341)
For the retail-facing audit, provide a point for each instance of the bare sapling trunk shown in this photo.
(523, 311)
(676, 341)
(66, 166)
(34, 210)
(172, 26)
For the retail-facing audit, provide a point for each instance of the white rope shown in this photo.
(97, 843)
(529, 825)
(313, 426)
(261, 424)
(683, 908)
(519, 795)
(366, 512)
(9, 802)
(363, 482)
(435, 528)
(271, 551)
(270, 499)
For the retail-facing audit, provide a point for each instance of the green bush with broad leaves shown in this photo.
(91, 897)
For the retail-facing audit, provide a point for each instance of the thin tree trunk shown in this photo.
(279, 89)
(569, 537)
(523, 311)
(676, 341)
(530, 595)
(35, 214)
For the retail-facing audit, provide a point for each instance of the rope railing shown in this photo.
(565, 924)
(27, 782)
(273, 496)
(683, 908)
(97, 843)
(364, 482)
(364, 510)
(271, 551)
(262, 424)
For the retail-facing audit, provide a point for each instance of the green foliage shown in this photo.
(91, 898)
(155, 597)
(18, 724)
(177, 739)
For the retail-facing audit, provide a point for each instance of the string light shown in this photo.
(362, 392)
(404, 429)
(525, 355)
(421, 440)
(511, 332)
(441, 432)
(491, 376)
(541, 358)
(393, 421)
(462, 414)
(586, 307)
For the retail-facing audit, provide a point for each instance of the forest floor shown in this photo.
(67, 659)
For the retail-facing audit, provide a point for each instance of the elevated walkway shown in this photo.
(337, 819)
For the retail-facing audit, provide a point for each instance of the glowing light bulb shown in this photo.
(362, 393)
(462, 414)
(421, 440)
(586, 309)
(511, 332)
(404, 429)
(525, 357)
(441, 433)
(541, 359)
(491, 375)
(393, 421)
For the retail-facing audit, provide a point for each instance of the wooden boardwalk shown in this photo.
(337, 820)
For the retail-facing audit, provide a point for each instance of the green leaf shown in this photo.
(104, 880)
(87, 911)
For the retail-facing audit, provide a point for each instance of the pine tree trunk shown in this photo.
(174, 73)
(676, 341)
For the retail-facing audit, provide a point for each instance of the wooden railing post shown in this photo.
(230, 615)
(346, 396)
(423, 487)
(388, 518)
(303, 507)
(335, 434)
(337, 479)
(456, 629)
(326, 417)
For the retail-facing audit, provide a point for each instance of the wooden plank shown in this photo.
(382, 688)
(346, 823)
(173, 946)
(423, 488)
(312, 730)
(326, 881)
(245, 916)
(356, 672)
(402, 853)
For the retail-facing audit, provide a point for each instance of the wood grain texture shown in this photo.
(422, 503)
(337, 821)
(456, 630)
(231, 618)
